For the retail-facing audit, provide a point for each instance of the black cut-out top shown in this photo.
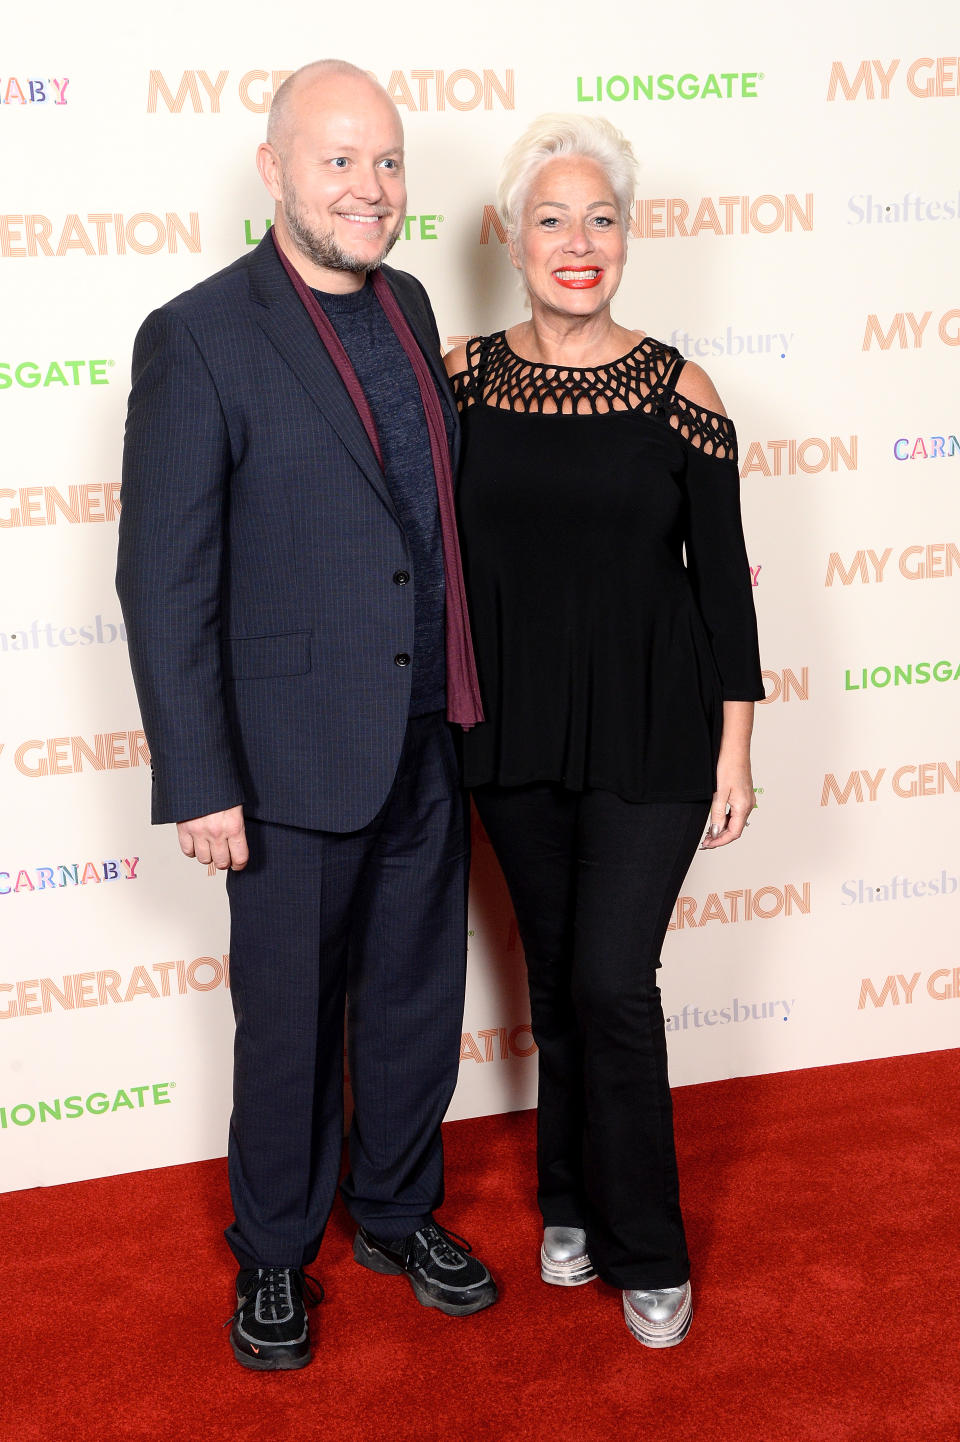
(606, 574)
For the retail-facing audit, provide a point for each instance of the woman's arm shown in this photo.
(733, 799)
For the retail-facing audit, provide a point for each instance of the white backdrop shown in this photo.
(795, 230)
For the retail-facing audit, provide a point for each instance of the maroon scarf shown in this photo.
(464, 707)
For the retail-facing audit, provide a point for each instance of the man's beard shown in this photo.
(321, 247)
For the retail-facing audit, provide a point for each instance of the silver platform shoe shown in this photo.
(661, 1318)
(564, 1261)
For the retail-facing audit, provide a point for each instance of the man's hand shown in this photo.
(219, 838)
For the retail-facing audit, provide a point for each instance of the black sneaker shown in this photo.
(269, 1331)
(442, 1272)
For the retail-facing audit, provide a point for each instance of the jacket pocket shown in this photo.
(257, 658)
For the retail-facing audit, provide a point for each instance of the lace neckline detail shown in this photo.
(642, 380)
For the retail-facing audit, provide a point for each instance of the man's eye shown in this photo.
(390, 164)
(340, 162)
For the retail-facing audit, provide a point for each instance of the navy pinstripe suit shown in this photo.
(259, 547)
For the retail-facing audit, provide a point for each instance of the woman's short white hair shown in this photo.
(551, 136)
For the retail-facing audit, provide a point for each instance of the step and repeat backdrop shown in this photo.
(795, 231)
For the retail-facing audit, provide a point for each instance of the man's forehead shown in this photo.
(354, 98)
(349, 129)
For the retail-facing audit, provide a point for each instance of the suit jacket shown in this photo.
(258, 559)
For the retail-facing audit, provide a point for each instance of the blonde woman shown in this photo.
(616, 643)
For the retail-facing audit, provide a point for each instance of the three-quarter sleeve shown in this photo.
(717, 556)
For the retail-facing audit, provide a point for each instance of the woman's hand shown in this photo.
(733, 799)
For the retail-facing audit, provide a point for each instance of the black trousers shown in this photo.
(378, 915)
(593, 880)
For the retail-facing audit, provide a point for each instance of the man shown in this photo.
(287, 568)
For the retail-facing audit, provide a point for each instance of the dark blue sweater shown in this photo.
(392, 392)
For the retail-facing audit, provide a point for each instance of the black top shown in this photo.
(392, 392)
(604, 656)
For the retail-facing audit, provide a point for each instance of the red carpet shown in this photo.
(822, 1211)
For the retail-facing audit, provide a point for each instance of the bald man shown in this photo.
(291, 588)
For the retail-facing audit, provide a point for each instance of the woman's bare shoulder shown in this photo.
(456, 360)
(695, 385)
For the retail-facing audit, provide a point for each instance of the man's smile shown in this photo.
(358, 219)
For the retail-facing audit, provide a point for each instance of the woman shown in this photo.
(618, 683)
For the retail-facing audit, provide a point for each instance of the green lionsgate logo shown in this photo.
(715, 85)
(67, 373)
(415, 227)
(915, 673)
(96, 1104)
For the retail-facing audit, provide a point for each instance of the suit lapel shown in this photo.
(284, 320)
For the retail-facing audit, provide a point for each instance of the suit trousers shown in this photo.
(374, 919)
(593, 880)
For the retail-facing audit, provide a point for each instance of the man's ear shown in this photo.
(271, 170)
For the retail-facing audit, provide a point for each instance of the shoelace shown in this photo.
(448, 1243)
(277, 1282)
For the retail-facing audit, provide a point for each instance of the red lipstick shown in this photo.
(578, 277)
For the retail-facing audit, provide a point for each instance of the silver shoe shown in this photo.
(661, 1318)
(564, 1261)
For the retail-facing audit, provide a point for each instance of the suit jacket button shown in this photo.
(401, 659)
(400, 578)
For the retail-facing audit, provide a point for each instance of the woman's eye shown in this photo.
(549, 222)
(603, 221)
